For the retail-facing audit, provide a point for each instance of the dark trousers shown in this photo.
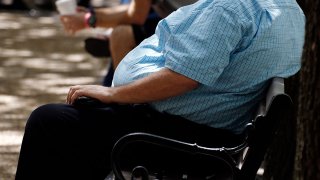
(66, 142)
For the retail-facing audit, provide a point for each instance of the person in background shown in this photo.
(204, 71)
(131, 22)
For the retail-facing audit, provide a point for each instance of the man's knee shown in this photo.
(43, 115)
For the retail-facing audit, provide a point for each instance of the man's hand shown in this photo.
(104, 94)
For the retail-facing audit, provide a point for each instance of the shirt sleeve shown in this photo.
(200, 47)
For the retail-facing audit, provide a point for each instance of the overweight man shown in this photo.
(205, 69)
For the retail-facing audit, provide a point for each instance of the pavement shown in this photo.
(38, 64)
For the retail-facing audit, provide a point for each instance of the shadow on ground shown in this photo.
(38, 63)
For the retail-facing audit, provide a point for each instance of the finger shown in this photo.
(71, 92)
(75, 95)
(69, 95)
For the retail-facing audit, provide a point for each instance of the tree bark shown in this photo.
(279, 160)
(307, 161)
(305, 92)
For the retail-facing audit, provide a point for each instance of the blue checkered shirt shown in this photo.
(231, 47)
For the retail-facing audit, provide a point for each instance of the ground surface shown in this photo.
(38, 62)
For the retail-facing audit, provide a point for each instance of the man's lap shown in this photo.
(116, 120)
(70, 118)
(112, 122)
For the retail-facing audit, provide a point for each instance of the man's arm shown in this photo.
(157, 86)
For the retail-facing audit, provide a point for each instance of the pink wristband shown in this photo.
(86, 19)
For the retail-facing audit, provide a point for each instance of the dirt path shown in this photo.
(38, 63)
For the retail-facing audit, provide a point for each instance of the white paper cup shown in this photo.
(66, 7)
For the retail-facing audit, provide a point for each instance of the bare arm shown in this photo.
(134, 13)
(158, 86)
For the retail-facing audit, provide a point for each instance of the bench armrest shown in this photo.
(217, 153)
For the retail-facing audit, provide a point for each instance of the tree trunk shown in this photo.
(305, 92)
(307, 161)
(279, 161)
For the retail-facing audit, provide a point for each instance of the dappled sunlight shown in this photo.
(42, 63)
(75, 58)
(41, 33)
(20, 38)
(10, 103)
(55, 55)
(4, 25)
(15, 53)
(8, 41)
(46, 20)
(8, 163)
(85, 66)
(46, 84)
(14, 72)
(10, 143)
(10, 138)
(69, 57)
(59, 91)
(38, 64)
(48, 76)
(11, 121)
(11, 61)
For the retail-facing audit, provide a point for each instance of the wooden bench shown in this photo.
(239, 162)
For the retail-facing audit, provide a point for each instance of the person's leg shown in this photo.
(64, 142)
(57, 144)
(121, 42)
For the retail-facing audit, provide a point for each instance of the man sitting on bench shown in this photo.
(206, 68)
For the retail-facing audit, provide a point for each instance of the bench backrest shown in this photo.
(275, 108)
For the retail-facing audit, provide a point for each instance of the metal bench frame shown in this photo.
(258, 134)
